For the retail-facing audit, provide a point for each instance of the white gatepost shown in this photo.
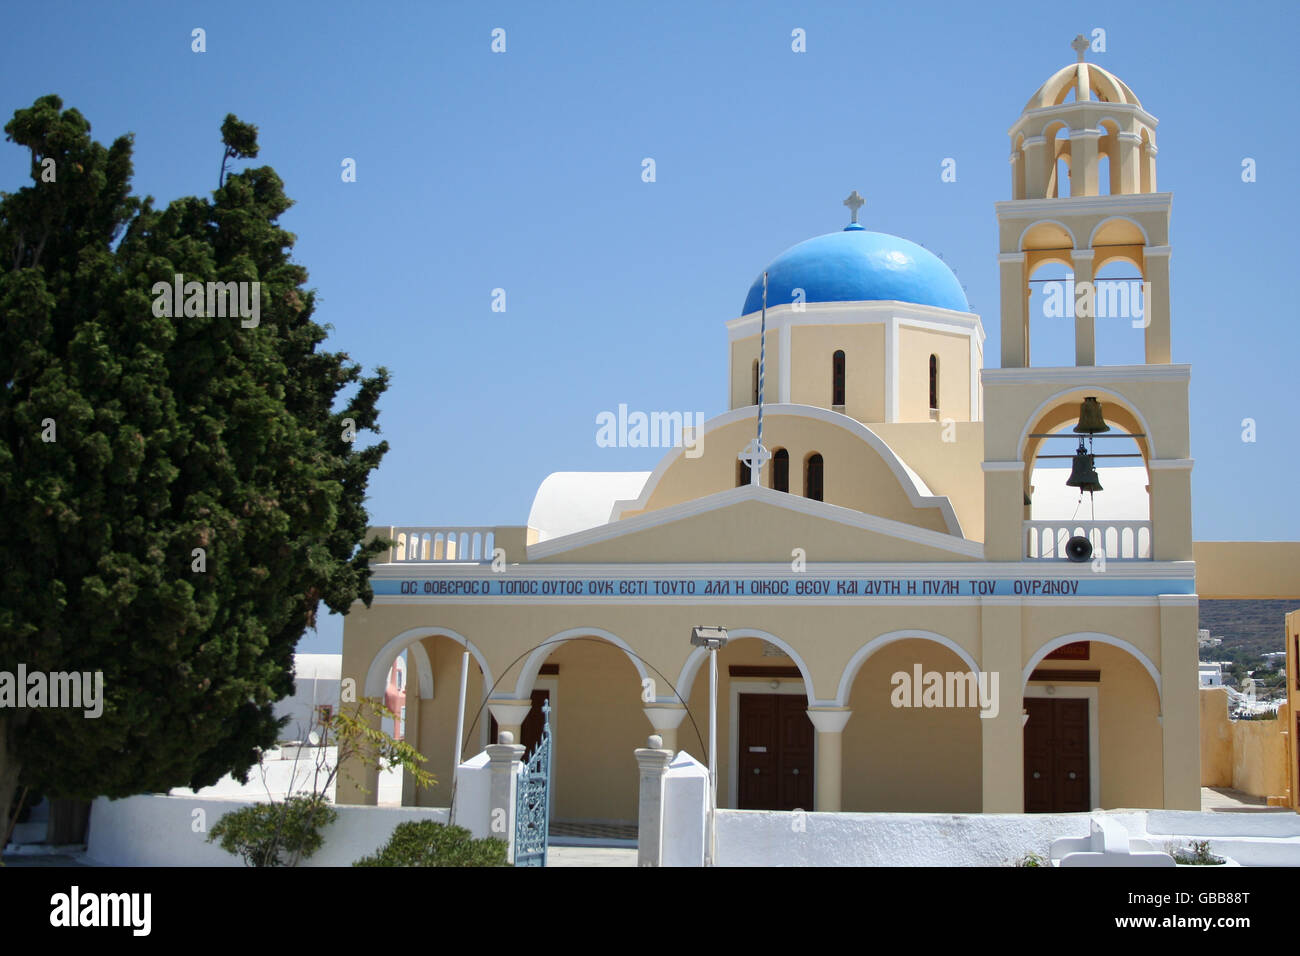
(504, 759)
(653, 761)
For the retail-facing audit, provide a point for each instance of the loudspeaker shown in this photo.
(1078, 548)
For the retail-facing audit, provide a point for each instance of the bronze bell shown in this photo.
(1090, 420)
(1083, 473)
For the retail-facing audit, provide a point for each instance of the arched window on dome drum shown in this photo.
(837, 378)
(781, 470)
(812, 477)
(934, 383)
(742, 474)
(755, 400)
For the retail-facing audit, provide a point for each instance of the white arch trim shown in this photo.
(377, 673)
(1129, 406)
(532, 666)
(857, 660)
(1058, 642)
(1092, 237)
(918, 492)
(1020, 243)
(686, 679)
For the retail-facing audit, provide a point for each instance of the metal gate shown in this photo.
(533, 800)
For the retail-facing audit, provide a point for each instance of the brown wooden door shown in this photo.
(531, 731)
(776, 753)
(1056, 756)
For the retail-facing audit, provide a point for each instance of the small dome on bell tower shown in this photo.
(1083, 133)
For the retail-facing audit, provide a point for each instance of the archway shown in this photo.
(766, 742)
(433, 662)
(915, 741)
(594, 685)
(1118, 518)
(1116, 689)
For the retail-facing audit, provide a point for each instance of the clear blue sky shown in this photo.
(522, 171)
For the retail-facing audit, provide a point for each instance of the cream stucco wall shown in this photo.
(855, 474)
(915, 346)
(1247, 569)
(908, 758)
(1247, 755)
(599, 689)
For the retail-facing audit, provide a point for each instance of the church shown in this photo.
(942, 589)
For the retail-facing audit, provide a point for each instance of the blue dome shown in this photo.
(856, 266)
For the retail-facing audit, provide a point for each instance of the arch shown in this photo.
(1061, 397)
(528, 676)
(850, 673)
(814, 477)
(1096, 230)
(1123, 645)
(934, 382)
(1061, 182)
(377, 674)
(690, 670)
(781, 470)
(1058, 148)
(1129, 254)
(1069, 233)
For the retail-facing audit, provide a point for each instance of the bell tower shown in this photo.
(1083, 181)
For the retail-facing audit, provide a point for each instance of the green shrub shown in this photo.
(275, 834)
(429, 843)
(1197, 854)
(1032, 859)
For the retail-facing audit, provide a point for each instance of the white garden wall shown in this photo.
(158, 830)
(779, 838)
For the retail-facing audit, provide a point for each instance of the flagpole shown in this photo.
(757, 471)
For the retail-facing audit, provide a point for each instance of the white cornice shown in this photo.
(1171, 464)
(1013, 209)
(882, 570)
(1096, 107)
(918, 493)
(850, 313)
(1083, 375)
(1002, 466)
(779, 499)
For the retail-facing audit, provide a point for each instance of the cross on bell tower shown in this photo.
(1080, 46)
(855, 202)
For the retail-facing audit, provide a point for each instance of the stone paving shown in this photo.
(590, 856)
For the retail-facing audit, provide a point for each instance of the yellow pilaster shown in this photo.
(1003, 752)
(1159, 349)
(828, 788)
(1180, 702)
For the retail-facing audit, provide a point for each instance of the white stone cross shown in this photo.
(855, 202)
(755, 456)
(1080, 45)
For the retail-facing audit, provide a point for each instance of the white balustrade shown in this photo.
(1117, 540)
(443, 544)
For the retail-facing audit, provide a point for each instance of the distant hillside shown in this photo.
(1249, 629)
